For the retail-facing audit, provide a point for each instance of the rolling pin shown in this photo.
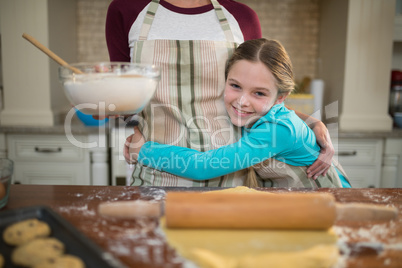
(249, 210)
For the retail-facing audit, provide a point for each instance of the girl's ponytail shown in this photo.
(251, 180)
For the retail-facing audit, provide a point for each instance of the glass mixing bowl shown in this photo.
(110, 88)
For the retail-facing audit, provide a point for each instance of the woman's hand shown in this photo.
(99, 117)
(133, 145)
(324, 160)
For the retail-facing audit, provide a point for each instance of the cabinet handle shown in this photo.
(350, 153)
(48, 150)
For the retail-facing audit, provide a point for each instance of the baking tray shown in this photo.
(76, 243)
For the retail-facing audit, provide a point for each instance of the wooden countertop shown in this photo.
(76, 127)
(395, 133)
(140, 243)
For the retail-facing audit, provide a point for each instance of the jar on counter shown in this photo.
(395, 99)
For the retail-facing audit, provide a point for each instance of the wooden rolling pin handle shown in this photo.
(248, 211)
(364, 212)
(130, 209)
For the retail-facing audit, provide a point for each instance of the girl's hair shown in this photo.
(276, 59)
(251, 180)
(273, 55)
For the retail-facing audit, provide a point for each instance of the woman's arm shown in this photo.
(324, 160)
(116, 30)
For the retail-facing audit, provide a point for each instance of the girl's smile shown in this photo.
(250, 92)
(239, 112)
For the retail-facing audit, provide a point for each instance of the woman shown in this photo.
(190, 41)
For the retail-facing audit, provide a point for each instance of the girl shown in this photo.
(259, 77)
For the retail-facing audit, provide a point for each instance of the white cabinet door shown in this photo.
(50, 174)
(362, 177)
(120, 169)
(361, 159)
(392, 163)
(49, 148)
(48, 159)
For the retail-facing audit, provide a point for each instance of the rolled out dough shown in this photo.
(210, 248)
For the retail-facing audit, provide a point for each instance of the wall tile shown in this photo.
(295, 23)
(91, 16)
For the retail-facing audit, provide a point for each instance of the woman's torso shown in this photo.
(187, 109)
(125, 18)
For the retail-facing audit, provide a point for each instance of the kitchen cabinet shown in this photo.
(58, 159)
(48, 159)
(362, 161)
(120, 170)
(117, 161)
(392, 163)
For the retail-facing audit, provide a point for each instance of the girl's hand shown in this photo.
(324, 160)
(133, 145)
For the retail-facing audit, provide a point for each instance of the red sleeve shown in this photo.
(120, 17)
(246, 17)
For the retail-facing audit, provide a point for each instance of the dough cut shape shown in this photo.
(37, 251)
(218, 248)
(63, 261)
(24, 231)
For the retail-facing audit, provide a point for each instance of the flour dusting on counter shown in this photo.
(375, 197)
(156, 194)
(142, 239)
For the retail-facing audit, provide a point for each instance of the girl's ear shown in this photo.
(282, 97)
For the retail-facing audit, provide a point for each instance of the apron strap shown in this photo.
(149, 17)
(153, 6)
(223, 21)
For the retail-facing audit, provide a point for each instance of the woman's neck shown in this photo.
(189, 3)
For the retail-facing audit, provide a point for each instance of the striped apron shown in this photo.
(187, 109)
(274, 173)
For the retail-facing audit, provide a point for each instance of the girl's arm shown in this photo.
(189, 163)
(324, 160)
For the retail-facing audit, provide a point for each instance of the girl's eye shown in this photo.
(236, 86)
(260, 94)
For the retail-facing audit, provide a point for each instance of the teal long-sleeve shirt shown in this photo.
(280, 134)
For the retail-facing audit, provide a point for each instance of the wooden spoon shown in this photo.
(50, 53)
(60, 61)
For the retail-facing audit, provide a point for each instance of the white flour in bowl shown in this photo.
(113, 94)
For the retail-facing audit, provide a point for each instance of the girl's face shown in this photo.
(250, 92)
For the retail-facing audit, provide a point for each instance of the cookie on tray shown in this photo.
(37, 251)
(64, 261)
(1, 261)
(24, 231)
